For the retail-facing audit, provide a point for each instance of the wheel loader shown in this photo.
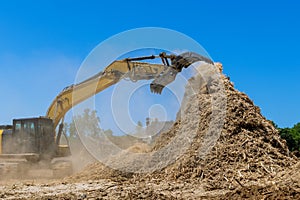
(31, 141)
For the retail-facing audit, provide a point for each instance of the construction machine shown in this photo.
(33, 140)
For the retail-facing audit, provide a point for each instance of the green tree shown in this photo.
(285, 133)
(292, 137)
(87, 123)
(72, 130)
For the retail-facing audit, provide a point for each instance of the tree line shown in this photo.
(292, 137)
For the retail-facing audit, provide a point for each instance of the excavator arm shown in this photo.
(130, 68)
(116, 71)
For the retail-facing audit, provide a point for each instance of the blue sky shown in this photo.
(42, 44)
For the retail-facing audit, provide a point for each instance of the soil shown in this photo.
(247, 159)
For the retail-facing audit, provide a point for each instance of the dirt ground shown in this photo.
(249, 160)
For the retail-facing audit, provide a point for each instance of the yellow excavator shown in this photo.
(36, 139)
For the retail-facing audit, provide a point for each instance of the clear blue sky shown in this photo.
(42, 44)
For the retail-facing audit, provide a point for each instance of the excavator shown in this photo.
(38, 139)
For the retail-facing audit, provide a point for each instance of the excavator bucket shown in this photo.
(179, 62)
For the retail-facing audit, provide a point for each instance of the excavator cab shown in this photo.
(31, 138)
(28, 141)
(34, 135)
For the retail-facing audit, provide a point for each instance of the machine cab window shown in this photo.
(17, 126)
(24, 126)
(29, 127)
